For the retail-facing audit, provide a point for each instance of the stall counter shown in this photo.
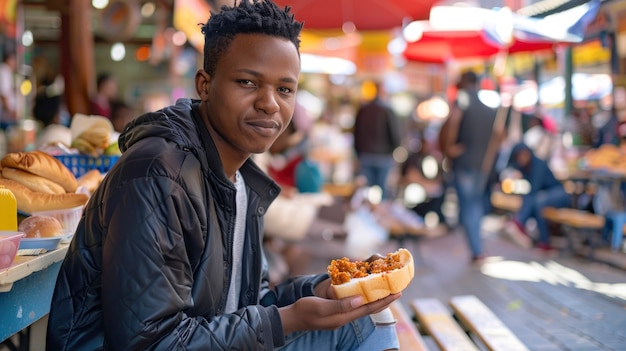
(26, 289)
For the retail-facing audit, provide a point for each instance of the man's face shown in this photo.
(250, 98)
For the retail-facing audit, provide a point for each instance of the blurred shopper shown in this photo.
(376, 136)
(608, 132)
(168, 253)
(538, 138)
(47, 110)
(288, 161)
(106, 92)
(545, 191)
(424, 168)
(8, 90)
(470, 143)
(121, 115)
(580, 126)
(288, 219)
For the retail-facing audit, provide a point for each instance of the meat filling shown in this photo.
(342, 270)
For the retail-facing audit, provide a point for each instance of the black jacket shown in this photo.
(149, 265)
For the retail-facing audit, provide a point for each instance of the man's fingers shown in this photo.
(357, 304)
(349, 304)
(380, 305)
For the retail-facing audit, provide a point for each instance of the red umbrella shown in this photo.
(439, 46)
(365, 14)
(443, 40)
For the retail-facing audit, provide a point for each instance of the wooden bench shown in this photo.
(574, 218)
(509, 203)
(410, 339)
(575, 223)
(467, 324)
(436, 320)
(482, 322)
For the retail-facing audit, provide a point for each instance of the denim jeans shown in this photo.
(470, 188)
(534, 203)
(359, 335)
(376, 168)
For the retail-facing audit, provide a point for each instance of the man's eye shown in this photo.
(285, 90)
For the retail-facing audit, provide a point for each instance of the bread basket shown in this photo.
(81, 164)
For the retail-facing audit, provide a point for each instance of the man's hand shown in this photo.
(316, 313)
(324, 290)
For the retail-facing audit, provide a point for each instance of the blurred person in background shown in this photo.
(168, 253)
(466, 141)
(608, 131)
(47, 110)
(538, 138)
(376, 136)
(290, 216)
(8, 90)
(545, 191)
(424, 168)
(106, 92)
(580, 126)
(121, 114)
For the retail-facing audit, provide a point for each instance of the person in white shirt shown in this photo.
(8, 93)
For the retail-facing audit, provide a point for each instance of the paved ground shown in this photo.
(551, 302)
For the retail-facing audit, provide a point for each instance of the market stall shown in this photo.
(26, 290)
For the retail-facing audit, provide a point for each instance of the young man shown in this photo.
(168, 254)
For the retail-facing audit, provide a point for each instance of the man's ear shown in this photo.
(203, 80)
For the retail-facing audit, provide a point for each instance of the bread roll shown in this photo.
(373, 281)
(90, 180)
(32, 201)
(40, 227)
(44, 165)
(32, 181)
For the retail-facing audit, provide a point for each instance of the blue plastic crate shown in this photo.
(81, 164)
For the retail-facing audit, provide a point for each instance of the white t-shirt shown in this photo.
(234, 289)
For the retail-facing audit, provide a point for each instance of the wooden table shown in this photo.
(26, 290)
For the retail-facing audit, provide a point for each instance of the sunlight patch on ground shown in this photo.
(552, 273)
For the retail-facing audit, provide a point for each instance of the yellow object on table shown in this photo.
(8, 210)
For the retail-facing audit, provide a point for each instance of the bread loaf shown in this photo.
(44, 165)
(372, 280)
(32, 201)
(90, 180)
(40, 227)
(32, 181)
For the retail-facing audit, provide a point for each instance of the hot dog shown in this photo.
(374, 279)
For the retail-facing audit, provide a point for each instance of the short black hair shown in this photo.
(248, 17)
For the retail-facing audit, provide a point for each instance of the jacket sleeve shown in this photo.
(291, 290)
(147, 279)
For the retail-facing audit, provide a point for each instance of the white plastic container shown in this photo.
(68, 218)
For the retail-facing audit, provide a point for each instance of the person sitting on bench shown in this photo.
(545, 190)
